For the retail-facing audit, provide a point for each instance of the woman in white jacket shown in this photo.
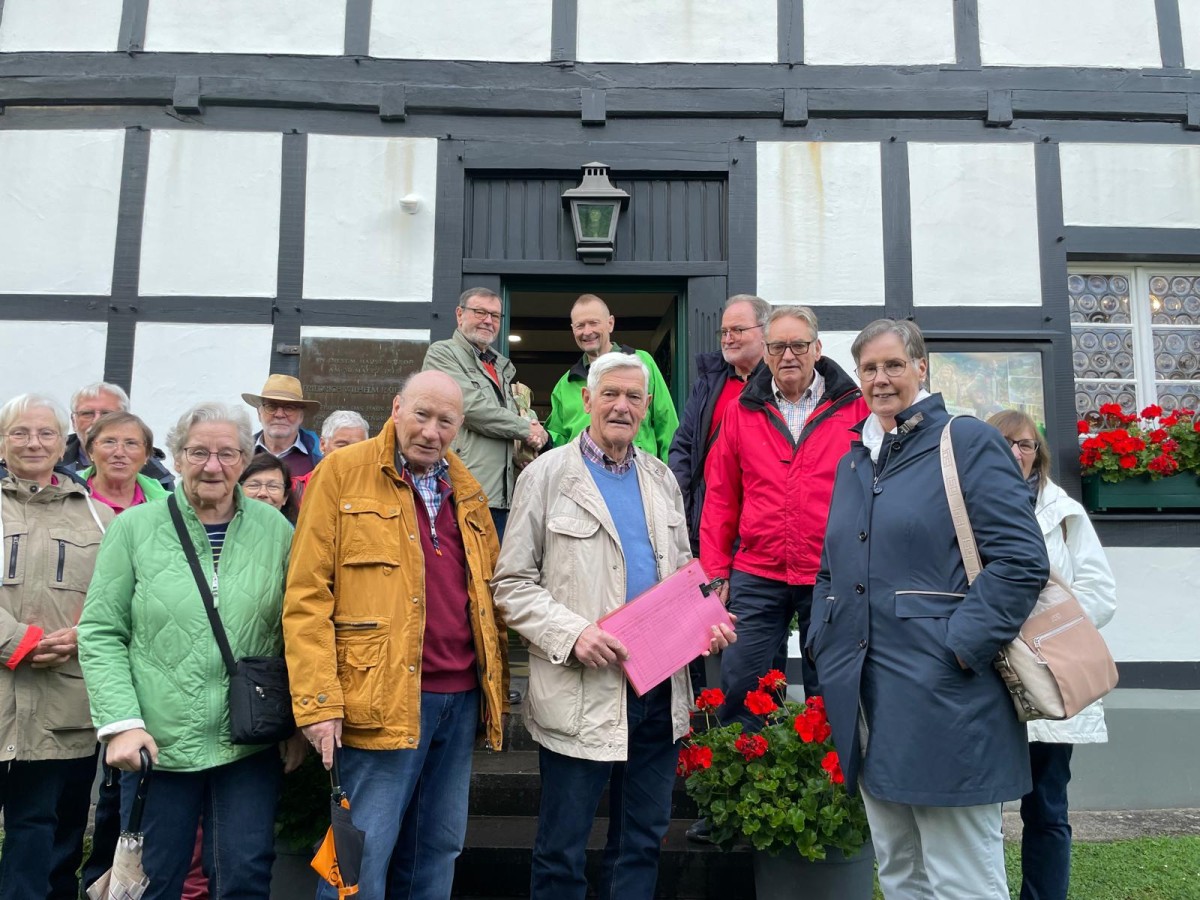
(1076, 554)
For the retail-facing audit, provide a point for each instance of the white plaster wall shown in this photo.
(358, 242)
(176, 365)
(835, 345)
(211, 223)
(878, 32)
(678, 31)
(1189, 21)
(498, 30)
(59, 193)
(974, 225)
(246, 26)
(76, 348)
(1135, 185)
(1157, 618)
(59, 25)
(820, 223)
(1116, 33)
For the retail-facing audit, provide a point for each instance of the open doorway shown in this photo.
(540, 343)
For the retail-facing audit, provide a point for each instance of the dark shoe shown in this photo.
(700, 832)
(514, 697)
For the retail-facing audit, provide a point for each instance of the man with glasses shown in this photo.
(87, 405)
(592, 326)
(491, 422)
(281, 410)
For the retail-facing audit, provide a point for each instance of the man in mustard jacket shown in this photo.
(394, 649)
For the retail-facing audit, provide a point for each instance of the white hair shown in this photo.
(342, 418)
(212, 411)
(93, 392)
(23, 403)
(615, 359)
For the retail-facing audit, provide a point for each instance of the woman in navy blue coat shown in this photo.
(904, 648)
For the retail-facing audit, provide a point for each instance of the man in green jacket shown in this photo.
(592, 325)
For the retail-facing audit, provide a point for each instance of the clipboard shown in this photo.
(667, 626)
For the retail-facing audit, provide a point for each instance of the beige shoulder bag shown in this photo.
(1058, 663)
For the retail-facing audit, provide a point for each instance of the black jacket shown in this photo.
(72, 461)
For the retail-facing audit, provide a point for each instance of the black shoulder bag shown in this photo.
(260, 702)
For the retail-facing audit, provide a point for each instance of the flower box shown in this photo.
(1141, 493)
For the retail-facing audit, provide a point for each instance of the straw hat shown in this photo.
(282, 389)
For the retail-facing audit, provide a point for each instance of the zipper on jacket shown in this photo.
(62, 560)
(433, 536)
(12, 558)
(1037, 641)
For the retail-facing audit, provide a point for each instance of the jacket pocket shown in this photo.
(573, 526)
(71, 560)
(930, 611)
(370, 532)
(361, 643)
(556, 696)
(822, 615)
(64, 701)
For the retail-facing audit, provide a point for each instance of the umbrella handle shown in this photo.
(139, 797)
(335, 777)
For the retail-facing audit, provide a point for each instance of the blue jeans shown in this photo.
(500, 520)
(237, 802)
(764, 609)
(412, 804)
(73, 806)
(30, 791)
(1046, 838)
(639, 809)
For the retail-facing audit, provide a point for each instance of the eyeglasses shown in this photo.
(272, 407)
(1027, 447)
(111, 444)
(271, 487)
(90, 413)
(798, 348)
(20, 437)
(737, 332)
(199, 455)
(893, 368)
(483, 314)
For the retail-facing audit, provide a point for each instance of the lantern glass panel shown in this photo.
(595, 219)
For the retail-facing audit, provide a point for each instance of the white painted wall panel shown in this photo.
(211, 225)
(1157, 618)
(59, 193)
(820, 223)
(76, 348)
(59, 25)
(1135, 185)
(1116, 33)
(1189, 21)
(835, 345)
(499, 30)
(878, 32)
(974, 225)
(177, 365)
(246, 26)
(678, 31)
(358, 242)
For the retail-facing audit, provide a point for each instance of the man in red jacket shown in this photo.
(770, 478)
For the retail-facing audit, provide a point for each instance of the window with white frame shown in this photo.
(1135, 336)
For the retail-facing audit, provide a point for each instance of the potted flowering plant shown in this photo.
(1154, 456)
(780, 789)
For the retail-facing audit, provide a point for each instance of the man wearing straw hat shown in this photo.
(281, 410)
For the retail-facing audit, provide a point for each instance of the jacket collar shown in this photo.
(467, 491)
(579, 371)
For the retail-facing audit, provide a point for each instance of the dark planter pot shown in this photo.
(789, 876)
(1176, 492)
(292, 877)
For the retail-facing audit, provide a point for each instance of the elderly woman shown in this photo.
(118, 444)
(157, 679)
(267, 479)
(904, 646)
(1076, 555)
(50, 532)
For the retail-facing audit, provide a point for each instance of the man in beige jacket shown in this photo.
(593, 524)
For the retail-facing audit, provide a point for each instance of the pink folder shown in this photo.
(666, 627)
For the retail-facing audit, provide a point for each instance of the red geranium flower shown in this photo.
(710, 698)
(1185, 413)
(1128, 462)
(1163, 465)
(1111, 409)
(831, 765)
(1153, 411)
(1083, 427)
(816, 702)
(772, 681)
(1158, 435)
(751, 746)
(692, 757)
(760, 703)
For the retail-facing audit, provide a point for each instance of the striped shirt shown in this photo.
(591, 450)
(796, 414)
(216, 537)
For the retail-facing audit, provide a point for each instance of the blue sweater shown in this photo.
(623, 497)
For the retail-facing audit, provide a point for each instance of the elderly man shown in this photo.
(341, 428)
(87, 405)
(491, 423)
(769, 480)
(594, 523)
(281, 410)
(592, 325)
(394, 650)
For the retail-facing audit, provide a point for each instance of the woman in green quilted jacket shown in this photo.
(154, 671)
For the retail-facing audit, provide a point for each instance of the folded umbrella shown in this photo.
(339, 858)
(126, 880)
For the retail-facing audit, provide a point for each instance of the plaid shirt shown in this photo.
(591, 450)
(427, 485)
(797, 413)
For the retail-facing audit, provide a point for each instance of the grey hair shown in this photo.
(762, 309)
(23, 403)
(466, 296)
(615, 360)
(342, 418)
(908, 332)
(803, 313)
(215, 412)
(93, 392)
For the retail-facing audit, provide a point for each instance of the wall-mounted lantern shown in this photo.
(595, 208)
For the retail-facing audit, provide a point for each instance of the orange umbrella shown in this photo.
(339, 858)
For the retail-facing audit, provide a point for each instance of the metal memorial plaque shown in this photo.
(361, 374)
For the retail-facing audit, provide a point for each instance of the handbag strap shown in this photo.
(214, 619)
(958, 507)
